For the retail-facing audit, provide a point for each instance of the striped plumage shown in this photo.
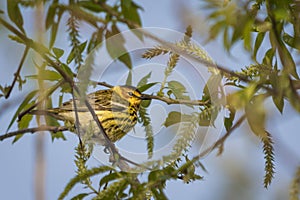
(116, 109)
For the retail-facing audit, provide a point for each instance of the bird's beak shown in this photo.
(145, 97)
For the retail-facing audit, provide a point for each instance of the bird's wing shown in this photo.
(99, 100)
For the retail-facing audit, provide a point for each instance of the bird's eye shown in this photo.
(130, 93)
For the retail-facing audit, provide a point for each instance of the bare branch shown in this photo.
(221, 141)
(33, 130)
(17, 74)
(177, 101)
(104, 84)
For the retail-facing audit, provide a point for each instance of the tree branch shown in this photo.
(17, 74)
(33, 130)
(176, 101)
(220, 142)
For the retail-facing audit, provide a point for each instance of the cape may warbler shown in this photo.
(116, 109)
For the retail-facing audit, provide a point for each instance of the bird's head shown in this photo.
(130, 93)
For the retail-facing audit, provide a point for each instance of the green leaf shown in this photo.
(211, 88)
(256, 115)
(288, 62)
(291, 93)
(293, 42)
(91, 6)
(133, 15)
(68, 70)
(144, 80)
(175, 117)
(268, 58)
(80, 196)
(66, 88)
(54, 24)
(73, 52)
(17, 138)
(50, 121)
(5, 89)
(241, 98)
(22, 107)
(50, 16)
(158, 194)
(228, 121)
(96, 39)
(129, 78)
(178, 90)
(226, 41)
(14, 13)
(58, 52)
(48, 75)
(278, 85)
(110, 177)
(147, 86)
(53, 34)
(146, 103)
(130, 12)
(247, 34)
(279, 102)
(115, 46)
(23, 123)
(258, 41)
(215, 29)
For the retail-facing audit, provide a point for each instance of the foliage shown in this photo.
(295, 186)
(256, 23)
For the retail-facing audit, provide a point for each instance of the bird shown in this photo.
(116, 109)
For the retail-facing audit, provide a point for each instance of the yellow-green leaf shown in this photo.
(175, 117)
(14, 13)
(23, 106)
(256, 116)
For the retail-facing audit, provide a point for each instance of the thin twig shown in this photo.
(77, 125)
(134, 163)
(41, 99)
(17, 74)
(177, 101)
(53, 129)
(221, 141)
(105, 84)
